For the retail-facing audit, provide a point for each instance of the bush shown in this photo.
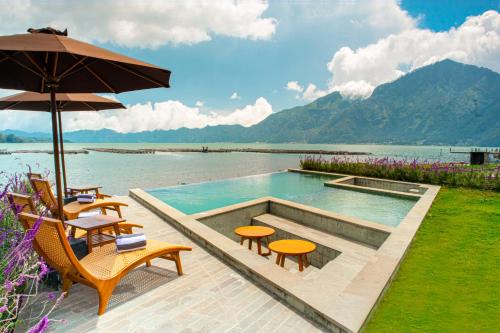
(437, 173)
(21, 269)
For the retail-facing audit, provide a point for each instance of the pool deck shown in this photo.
(209, 297)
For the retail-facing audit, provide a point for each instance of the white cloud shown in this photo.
(294, 86)
(134, 23)
(199, 104)
(312, 92)
(235, 96)
(7, 92)
(140, 117)
(356, 73)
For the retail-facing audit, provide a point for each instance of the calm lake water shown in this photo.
(119, 172)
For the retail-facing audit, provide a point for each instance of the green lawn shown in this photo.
(450, 278)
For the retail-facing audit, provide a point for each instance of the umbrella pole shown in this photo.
(53, 111)
(61, 141)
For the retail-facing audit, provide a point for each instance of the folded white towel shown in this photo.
(85, 198)
(85, 201)
(91, 213)
(132, 242)
(136, 238)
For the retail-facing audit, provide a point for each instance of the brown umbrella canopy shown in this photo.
(31, 101)
(31, 61)
(46, 60)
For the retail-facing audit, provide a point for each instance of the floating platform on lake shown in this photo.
(478, 156)
(29, 151)
(225, 150)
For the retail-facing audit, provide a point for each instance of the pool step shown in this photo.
(316, 236)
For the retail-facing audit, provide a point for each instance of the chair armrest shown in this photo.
(126, 228)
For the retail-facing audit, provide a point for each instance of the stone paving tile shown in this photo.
(210, 297)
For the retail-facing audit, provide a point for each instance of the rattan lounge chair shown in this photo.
(103, 268)
(44, 190)
(25, 202)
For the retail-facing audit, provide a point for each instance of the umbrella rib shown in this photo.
(23, 65)
(89, 106)
(33, 62)
(99, 78)
(143, 76)
(67, 72)
(77, 69)
(12, 105)
(62, 105)
(56, 62)
(42, 84)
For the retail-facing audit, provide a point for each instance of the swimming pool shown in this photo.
(300, 188)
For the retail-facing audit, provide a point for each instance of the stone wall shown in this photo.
(357, 232)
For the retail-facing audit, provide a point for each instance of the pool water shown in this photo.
(296, 187)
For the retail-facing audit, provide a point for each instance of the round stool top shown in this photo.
(254, 231)
(292, 246)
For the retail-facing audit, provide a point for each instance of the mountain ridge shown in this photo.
(443, 103)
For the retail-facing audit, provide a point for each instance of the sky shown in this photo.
(237, 62)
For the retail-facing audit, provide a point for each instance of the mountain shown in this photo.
(443, 103)
(12, 138)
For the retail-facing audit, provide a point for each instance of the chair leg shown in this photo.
(105, 293)
(66, 285)
(178, 265)
(148, 263)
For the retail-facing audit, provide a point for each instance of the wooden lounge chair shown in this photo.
(44, 190)
(42, 186)
(25, 202)
(103, 268)
(72, 191)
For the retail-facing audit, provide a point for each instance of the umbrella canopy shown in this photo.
(46, 60)
(32, 101)
(35, 60)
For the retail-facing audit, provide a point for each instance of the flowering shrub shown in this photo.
(437, 173)
(21, 270)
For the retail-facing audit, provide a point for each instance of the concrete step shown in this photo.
(316, 236)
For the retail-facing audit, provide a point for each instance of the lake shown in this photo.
(119, 172)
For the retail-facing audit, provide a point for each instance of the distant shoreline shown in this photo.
(190, 150)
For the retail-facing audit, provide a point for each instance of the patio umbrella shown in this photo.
(47, 61)
(32, 101)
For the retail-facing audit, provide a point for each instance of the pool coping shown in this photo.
(339, 183)
(338, 310)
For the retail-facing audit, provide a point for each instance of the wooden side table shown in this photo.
(252, 232)
(292, 247)
(94, 225)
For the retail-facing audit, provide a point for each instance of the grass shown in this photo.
(450, 279)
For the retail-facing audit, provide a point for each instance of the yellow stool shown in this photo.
(292, 247)
(256, 232)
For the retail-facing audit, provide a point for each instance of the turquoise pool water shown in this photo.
(300, 188)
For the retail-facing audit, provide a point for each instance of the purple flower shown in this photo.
(51, 296)
(41, 326)
(44, 269)
(9, 286)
